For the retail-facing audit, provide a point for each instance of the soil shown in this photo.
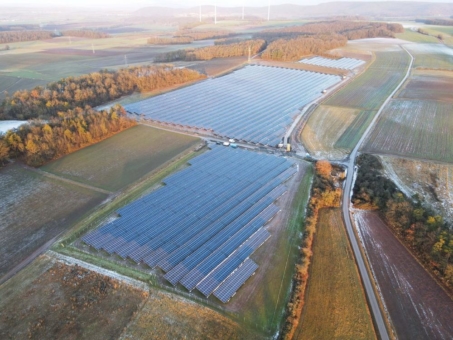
(68, 302)
(418, 307)
(430, 87)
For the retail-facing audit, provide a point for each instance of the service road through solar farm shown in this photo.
(254, 104)
(201, 227)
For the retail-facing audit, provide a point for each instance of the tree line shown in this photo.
(92, 89)
(216, 51)
(90, 34)
(170, 41)
(325, 193)
(292, 43)
(439, 22)
(18, 36)
(40, 142)
(203, 35)
(418, 226)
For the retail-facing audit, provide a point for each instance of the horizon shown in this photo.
(137, 4)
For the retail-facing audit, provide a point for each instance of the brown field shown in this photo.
(34, 209)
(217, 66)
(418, 307)
(56, 301)
(166, 316)
(335, 305)
(429, 85)
(432, 181)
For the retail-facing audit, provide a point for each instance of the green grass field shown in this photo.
(265, 308)
(370, 89)
(414, 128)
(122, 159)
(410, 35)
(335, 306)
(34, 209)
(326, 125)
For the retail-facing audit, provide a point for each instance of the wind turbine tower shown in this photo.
(200, 12)
(243, 4)
(269, 11)
(215, 14)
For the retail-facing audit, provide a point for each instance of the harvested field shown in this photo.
(414, 128)
(166, 316)
(432, 181)
(122, 159)
(334, 285)
(325, 127)
(435, 86)
(56, 301)
(418, 307)
(369, 90)
(34, 210)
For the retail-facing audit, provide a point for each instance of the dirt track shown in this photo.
(418, 306)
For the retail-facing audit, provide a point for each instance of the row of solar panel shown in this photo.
(342, 63)
(254, 104)
(193, 233)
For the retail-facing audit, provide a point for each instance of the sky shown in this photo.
(167, 3)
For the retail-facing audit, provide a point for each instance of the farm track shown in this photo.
(58, 178)
(374, 305)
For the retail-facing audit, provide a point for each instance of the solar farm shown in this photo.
(254, 104)
(203, 224)
(342, 63)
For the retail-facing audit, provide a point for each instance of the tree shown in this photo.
(324, 168)
(4, 152)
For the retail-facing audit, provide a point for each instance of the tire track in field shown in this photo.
(58, 178)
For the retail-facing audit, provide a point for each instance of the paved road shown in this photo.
(346, 201)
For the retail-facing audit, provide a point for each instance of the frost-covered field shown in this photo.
(417, 305)
(6, 125)
(34, 209)
(414, 128)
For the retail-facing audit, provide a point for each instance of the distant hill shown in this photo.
(396, 9)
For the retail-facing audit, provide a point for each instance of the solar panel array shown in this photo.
(254, 104)
(202, 226)
(342, 63)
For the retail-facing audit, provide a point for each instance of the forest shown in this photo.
(18, 36)
(418, 226)
(169, 41)
(91, 90)
(40, 142)
(294, 42)
(216, 51)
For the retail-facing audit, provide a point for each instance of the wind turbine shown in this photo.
(243, 4)
(215, 13)
(200, 11)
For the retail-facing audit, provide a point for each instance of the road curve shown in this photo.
(346, 201)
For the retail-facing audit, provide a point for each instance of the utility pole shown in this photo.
(92, 48)
(269, 11)
(125, 60)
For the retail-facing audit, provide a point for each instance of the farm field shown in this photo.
(326, 125)
(375, 84)
(35, 210)
(122, 159)
(413, 128)
(432, 181)
(334, 286)
(431, 56)
(29, 64)
(167, 317)
(418, 307)
(51, 300)
(429, 85)
(416, 37)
